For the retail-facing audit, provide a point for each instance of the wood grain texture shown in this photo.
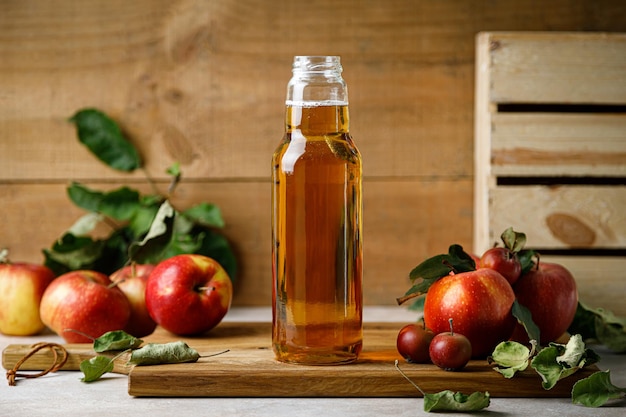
(594, 212)
(558, 144)
(541, 68)
(203, 83)
(249, 369)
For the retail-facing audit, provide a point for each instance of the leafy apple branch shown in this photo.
(145, 228)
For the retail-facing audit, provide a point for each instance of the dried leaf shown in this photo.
(596, 390)
(116, 340)
(162, 353)
(95, 367)
(456, 401)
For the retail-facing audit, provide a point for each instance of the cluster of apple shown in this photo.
(185, 294)
(480, 304)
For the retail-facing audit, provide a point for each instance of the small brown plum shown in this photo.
(450, 351)
(413, 343)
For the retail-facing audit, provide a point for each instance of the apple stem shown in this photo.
(451, 328)
(538, 259)
(80, 333)
(215, 354)
(174, 182)
(404, 299)
(202, 289)
(115, 284)
(407, 378)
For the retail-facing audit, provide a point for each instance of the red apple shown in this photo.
(450, 351)
(85, 301)
(412, 343)
(188, 294)
(480, 304)
(549, 292)
(132, 280)
(21, 288)
(502, 260)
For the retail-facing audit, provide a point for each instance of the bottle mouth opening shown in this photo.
(317, 63)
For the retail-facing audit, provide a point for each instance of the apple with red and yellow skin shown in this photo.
(188, 294)
(22, 285)
(549, 291)
(479, 302)
(132, 280)
(85, 301)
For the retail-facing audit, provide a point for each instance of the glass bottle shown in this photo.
(316, 222)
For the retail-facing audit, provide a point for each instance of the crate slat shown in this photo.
(561, 217)
(555, 144)
(544, 67)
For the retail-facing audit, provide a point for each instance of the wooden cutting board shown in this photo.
(249, 369)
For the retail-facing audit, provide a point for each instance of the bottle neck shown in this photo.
(317, 96)
(317, 120)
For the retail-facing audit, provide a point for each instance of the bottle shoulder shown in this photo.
(325, 149)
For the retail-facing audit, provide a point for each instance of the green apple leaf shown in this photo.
(574, 351)
(4, 256)
(85, 197)
(456, 401)
(146, 211)
(558, 361)
(116, 340)
(439, 266)
(95, 367)
(174, 170)
(85, 224)
(510, 357)
(120, 204)
(157, 238)
(436, 267)
(73, 252)
(141, 231)
(105, 140)
(514, 241)
(600, 325)
(524, 317)
(584, 323)
(610, 333)
(596, 390)
(163, 353)
(449, 400)
(205, 214)
(527, 259)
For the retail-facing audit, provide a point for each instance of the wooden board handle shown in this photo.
(41, 360)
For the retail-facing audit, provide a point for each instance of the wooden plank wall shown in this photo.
(203, 83)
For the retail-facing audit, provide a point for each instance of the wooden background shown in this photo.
(203, 82)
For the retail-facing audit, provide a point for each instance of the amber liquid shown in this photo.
(316, 234)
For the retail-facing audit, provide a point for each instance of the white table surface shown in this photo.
(63, 394)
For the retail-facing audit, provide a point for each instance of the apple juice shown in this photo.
(316, 237)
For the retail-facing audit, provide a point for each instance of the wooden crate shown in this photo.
(550, 152)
